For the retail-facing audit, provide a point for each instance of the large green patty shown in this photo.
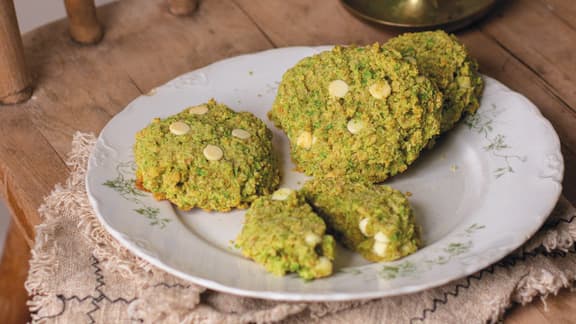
(175, 167)
(394, 128)
(287, 236)
(374, 220)
(446, 62)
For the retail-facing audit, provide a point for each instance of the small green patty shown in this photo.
(282, 233)
(207, 156)
(374, 220)
(446, 62)
(360, 112)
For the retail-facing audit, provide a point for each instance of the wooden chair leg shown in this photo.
(14, 80)
(13, 273)
(83, 23)
(182, 7)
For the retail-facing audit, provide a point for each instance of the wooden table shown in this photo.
(530, 45)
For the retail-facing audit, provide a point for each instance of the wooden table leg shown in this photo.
(14, 80)
(13, 273)
(182, 7)
(83, 23)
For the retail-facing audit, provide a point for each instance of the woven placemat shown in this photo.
(80, 274)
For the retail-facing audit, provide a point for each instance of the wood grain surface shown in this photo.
(13, 272)
(527, 44)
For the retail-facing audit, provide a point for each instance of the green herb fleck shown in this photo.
(400, 270)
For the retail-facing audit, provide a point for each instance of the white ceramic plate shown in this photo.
(483, 190)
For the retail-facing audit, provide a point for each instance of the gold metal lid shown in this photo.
(420, 14)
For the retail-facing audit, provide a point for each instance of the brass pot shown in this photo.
(420, 14)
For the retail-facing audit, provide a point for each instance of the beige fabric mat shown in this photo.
(79, 274)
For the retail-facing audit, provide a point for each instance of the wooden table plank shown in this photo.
(76, 90)
(299, 22)
(29, 167)
(555, 310)
(527, 314)
(564, 10)
(217, 30)
(531, 32)
(560, 308)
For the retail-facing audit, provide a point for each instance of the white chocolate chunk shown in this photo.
(380, 89)
(304, 140)
(379, 248)
(381, 237)
(355, 126)
(213, 152)
(281, 194)
(179, 128)
(240, 133)
(363, 224)
(324, 265)
(198, 110)
(463, 82)
(338, 88)
(312, 239)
